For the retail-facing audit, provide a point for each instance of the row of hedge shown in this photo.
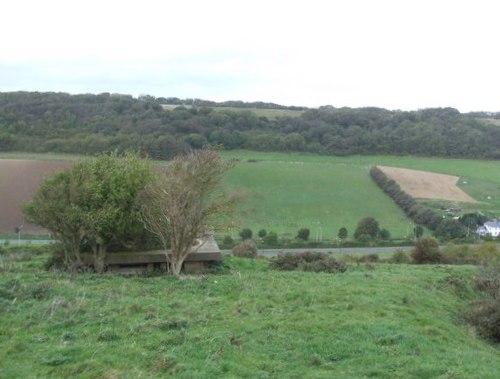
(443, 228)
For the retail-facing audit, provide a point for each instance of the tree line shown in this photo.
(444, 228)
(89, 124)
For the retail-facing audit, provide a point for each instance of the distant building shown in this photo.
(491, 228)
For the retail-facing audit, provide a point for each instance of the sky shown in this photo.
(404, 54)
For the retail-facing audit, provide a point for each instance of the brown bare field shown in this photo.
(19, 181)
(427, 185)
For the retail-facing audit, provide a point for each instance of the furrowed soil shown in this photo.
(427, 185)
(19, 179)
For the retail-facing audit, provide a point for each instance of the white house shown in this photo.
(491, 228)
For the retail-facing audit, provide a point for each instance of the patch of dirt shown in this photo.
(19, 181)
(427, 185)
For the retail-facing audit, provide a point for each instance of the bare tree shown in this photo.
(186, 202)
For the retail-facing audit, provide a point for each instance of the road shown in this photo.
(267, 252)
(22, 242)
(343, 250)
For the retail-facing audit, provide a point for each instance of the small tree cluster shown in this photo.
(368, 229)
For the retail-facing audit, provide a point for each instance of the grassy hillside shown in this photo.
(288, 191)
(285, 192)
(378, 321)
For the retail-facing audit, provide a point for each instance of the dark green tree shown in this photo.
(367, 226)
(303, 234)
(342, 234)
(262, 233)
(246, 234)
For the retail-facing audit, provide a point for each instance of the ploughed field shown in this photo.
(428, 185)
(286, 192)
(19, 180)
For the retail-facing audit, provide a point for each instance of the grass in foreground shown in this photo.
(383, 321)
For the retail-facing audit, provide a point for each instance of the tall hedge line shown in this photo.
(444, 228)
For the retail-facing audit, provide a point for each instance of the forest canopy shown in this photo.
(164, 127)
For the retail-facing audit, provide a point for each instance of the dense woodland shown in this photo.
(88, 124)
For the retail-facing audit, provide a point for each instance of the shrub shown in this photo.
(384, 234)
(307, 261)
(228, 241)
(262, 233)
(303, 234)
(271, 239)
(426, 251)
(246, 249)
(399, 257)
(485, 314)
(246, 234)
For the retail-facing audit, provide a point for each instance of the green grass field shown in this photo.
(380, 321)
(285, 192)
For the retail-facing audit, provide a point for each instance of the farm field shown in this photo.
(397, 321)
(289, 191)
(285, 192)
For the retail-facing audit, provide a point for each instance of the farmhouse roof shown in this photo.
(493, 224)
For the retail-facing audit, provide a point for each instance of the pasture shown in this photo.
(286, 192)
(247, 321)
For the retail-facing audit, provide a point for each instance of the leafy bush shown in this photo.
(246, 249)
(307, 261)
(426, 251)
(262, 233)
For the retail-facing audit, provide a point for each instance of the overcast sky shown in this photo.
(404, 54)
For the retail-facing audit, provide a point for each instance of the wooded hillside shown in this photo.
(87, 124)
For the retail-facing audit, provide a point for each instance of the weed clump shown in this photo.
(246, 249)
(399, 257)
(307, 261)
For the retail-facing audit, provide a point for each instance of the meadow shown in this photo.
(286, 192)
(247, 321)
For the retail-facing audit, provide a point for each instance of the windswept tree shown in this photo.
(185, 203)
